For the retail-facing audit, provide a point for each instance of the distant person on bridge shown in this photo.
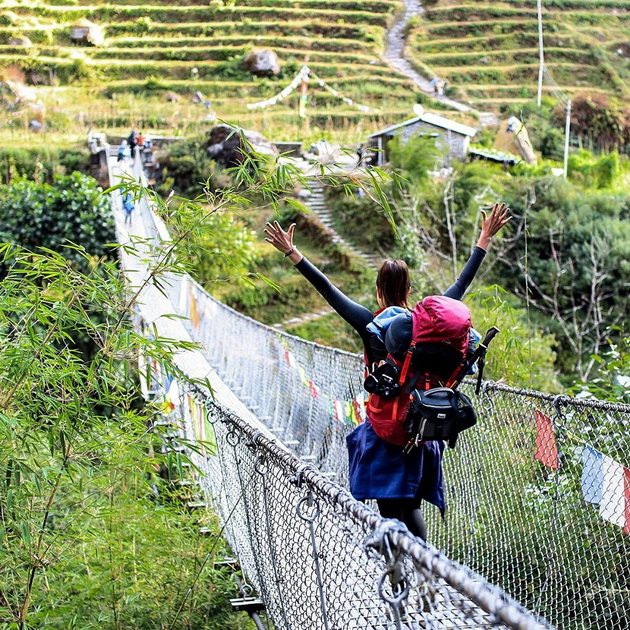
(128, 206)
(378, 469)
(124, 152)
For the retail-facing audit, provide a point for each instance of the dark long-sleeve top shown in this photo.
(359, 317)
(356, 315)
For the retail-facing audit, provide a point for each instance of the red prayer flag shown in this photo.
(546, 448)
(626, 492)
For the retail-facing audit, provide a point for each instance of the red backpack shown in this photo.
(436, 356)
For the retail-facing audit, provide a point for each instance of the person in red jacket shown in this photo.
(379, 470)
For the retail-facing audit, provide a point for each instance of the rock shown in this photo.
(20, 41)
(35, 126)
(262, 63)
(225, 144)
(173, 97)
(14, 95)
(86, 32)
(197, 97)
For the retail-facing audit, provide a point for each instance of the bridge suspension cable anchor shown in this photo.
(395, 571)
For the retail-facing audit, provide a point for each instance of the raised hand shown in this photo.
(492, 223)
(283, 241)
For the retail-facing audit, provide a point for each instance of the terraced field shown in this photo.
(153, 47)
(488, 50)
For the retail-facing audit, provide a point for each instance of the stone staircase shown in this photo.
(316, 203)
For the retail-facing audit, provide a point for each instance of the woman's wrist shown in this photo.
(484, 242)
(294, 255)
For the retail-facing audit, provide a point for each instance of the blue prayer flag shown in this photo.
(592, 475)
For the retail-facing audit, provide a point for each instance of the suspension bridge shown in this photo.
(522, 546)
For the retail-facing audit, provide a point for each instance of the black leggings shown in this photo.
(406, 510)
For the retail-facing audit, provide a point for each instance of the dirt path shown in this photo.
(395, 57)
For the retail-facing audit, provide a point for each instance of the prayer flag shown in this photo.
(592, 475)
(348, 411)
(359, 409)
(172, 395)
(314, 389)
(337, 410)
(194, 313)
(613, 504)
(303, 378)
(546, 448)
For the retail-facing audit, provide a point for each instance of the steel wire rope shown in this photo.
(252, 537)
(310, 519)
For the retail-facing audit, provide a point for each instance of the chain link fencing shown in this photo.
(516, 486)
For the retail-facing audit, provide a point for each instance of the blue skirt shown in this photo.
(380, 470)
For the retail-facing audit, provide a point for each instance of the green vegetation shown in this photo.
(71, 211)
(40, 163)
(488, 51)
(154, 48)
(86, 542)
(95, 529)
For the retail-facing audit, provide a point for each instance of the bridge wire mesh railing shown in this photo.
(318, 558)
(520, 524)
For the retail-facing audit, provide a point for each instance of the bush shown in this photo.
(187, 169)
(41, 163)
(70, 209)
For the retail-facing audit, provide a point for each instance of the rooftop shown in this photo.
(430, 119)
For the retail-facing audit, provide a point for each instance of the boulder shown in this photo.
(262, 63)
(229, 145)
(20, 41)
(86, 32)
(197, 97)
(173, 97)
(14, 95)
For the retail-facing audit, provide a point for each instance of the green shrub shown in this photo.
(41, 163)
(70, 209)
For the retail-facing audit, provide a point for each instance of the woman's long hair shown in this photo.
(393, 283)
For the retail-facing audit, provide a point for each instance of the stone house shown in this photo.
(448, 133)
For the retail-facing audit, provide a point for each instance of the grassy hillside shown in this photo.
(488, 50)
(152, 47)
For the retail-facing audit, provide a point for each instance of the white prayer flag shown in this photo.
(613, 504)
(183, 294)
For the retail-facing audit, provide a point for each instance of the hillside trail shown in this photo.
(395, 57)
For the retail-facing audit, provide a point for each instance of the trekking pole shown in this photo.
(478, 355)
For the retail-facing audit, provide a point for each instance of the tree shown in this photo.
(570, 263)
(599, 122)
